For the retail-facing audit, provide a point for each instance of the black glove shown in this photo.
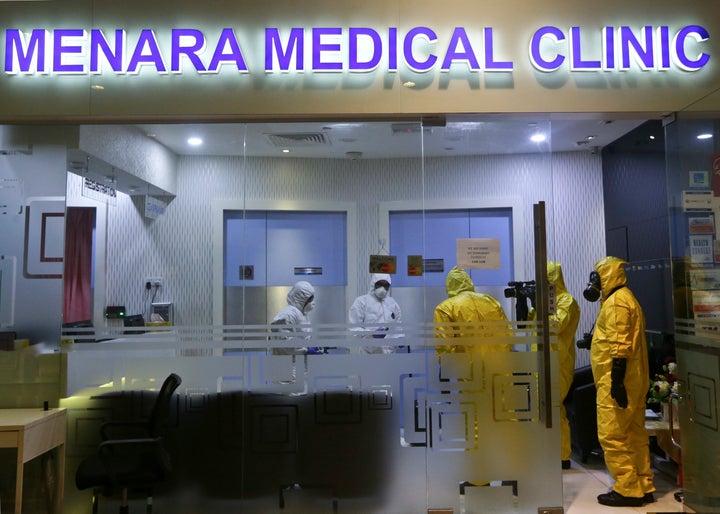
(617, 385)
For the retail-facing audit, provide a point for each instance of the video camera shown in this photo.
(586, 341)
(521, 291)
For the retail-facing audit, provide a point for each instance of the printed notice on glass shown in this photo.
(697, 201)
(701, 249)
(706, 307)
(478, 253)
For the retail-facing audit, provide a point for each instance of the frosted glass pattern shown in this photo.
(362, 433)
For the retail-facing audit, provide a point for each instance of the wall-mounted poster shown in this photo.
(699, 179)
(701, 249)
(701, 224)
(697, 201)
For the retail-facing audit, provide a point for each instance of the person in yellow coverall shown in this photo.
(464, 305)
(567, 315)
(618, 355)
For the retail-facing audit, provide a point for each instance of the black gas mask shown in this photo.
(593, 291)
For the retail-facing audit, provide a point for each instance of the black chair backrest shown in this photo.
(161, 409)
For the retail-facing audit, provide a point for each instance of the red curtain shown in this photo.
(77, 290)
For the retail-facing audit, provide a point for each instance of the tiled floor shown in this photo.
(583, 482)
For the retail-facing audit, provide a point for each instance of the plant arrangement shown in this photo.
(664, 385)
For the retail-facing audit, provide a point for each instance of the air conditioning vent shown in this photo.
(295, 140)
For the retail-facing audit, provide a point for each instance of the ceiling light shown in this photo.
(195, 141)
(97, 87)
(590, 138)
(538, 138)
(285, 150)
(652, 137)
(706, 135)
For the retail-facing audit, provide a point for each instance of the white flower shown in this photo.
(661, 388)
(671, 367)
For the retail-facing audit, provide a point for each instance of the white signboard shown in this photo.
(154, 208)
(478, 253)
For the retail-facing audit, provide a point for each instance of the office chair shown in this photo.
(131, 455)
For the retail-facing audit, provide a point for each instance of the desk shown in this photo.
(34, 432)
(667, 437)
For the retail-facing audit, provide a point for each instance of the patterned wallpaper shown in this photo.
(178, 245)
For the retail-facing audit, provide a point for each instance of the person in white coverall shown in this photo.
(292, 322)
(377, 310)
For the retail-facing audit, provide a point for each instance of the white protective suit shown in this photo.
(377, 310)
(292, 320)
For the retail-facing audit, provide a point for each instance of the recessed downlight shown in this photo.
(195, 141)
(538, 138)
(704, 135)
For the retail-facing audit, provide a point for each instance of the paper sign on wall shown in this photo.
(478, 253)
(383, 264)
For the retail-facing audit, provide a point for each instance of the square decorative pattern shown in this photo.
(413, 422)
(462, 371)
(453, 423)
(499, 496)
(275, 428)
(515, 397)
(196, 400)
(704, 404)
(337, 399)
(380, 397)
(44, 238)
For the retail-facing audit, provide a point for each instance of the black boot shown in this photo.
(615, 499)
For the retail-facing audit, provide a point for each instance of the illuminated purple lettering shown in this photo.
(392, 49)
(320, 48)
(536, 54)
(187, 42)
(99, 45)
(354, 63)
(644, 52)
(227, 50)
(490, 63)
(60, 48)
(608, 42)
(699, 34)
(146, 43)
(663, 34)
(422, 33)
(576, 61)
(274, 47)
(26, 54)
(460, 50)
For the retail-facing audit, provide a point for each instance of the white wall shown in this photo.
(34, 180)
(178, 245)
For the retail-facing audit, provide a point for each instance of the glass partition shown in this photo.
(693, 161)
(191, 255)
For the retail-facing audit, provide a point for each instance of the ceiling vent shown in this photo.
(296, 140)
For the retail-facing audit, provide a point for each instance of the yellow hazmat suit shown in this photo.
(567, 315)
(464, 305)
(619, 336)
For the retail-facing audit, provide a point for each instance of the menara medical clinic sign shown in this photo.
(355, 50)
